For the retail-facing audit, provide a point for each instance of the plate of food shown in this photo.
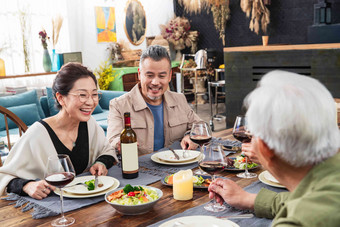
(155, 158)
(184, 155)
(238, 163)
(263, 179)
(115, 185)
(199, 181)
(133, 199)
(104, 182)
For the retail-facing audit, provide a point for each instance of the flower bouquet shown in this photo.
(43, 37)
(177, 32)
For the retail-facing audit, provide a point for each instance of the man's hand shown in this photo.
(249, 152)
(99, 169)
(187, 144)
(38, 189)
(228, 191)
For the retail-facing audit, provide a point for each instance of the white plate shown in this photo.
(206, 221)
(270, 177)
(80, 189)
(168, 156)
(155, 158)
(268, 182)
(115, 185)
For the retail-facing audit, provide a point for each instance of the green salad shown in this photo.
(240, 163)
(130, 195)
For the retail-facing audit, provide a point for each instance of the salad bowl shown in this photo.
(134, 209)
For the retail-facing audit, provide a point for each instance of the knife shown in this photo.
(176, 155)
(238, 216)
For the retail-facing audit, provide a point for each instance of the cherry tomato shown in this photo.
(131, 194)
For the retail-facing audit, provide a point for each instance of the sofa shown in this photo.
(29, 108)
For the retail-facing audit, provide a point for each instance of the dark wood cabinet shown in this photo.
(244, 67)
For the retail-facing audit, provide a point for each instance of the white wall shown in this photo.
(82, 26)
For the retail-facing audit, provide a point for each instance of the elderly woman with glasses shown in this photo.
(72, 131)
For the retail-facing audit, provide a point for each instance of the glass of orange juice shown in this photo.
(183, 185)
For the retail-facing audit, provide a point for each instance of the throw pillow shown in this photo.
(25, 98)
(51, 102)
(98, 109)
(27, 113)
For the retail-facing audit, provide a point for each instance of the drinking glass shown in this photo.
(212, 162)
(200, 134)
(60, 172)
(242, 134)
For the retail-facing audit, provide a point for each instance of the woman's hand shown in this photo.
(187, 144)
(228, 191)
(38, 189)
(249, 152)
(99, 169)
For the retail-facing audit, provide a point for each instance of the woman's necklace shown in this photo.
(73, 141)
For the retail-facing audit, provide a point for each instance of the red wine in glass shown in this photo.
(60, 172)
(212, 161)
(212, 167)
(60, 179)
(241, 133)
(200, 140)
(243, 137)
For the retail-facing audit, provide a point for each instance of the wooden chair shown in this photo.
(21, 125)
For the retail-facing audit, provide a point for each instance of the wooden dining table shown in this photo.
(102, 214)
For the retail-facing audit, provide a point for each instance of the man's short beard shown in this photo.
(153, 98)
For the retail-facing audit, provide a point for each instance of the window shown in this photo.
(37, 15)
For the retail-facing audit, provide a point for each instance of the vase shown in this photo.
(55, 61)
(178, 55)
(2, 68)
(47, 64)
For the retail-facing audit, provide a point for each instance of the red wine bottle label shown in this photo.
(129, 157)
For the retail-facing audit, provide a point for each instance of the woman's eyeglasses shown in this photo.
(84, 96)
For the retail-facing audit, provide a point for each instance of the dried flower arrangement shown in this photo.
(259, 12)
(25, 32)
(43, 36)
(177, 32)
(57, 22)
(221, 13)
(219, 8)
(116, 51)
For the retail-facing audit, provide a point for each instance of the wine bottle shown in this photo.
(128, 143)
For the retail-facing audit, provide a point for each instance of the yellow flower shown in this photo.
(105, 75)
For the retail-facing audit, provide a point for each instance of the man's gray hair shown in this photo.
(295, 116)
(156, 53)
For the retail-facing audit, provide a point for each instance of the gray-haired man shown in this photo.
(158, 116)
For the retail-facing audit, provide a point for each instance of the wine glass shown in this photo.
(241, 133)
(212, 162)
(200, 134)
(60, 172)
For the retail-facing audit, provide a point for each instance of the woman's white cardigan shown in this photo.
(28, 157)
